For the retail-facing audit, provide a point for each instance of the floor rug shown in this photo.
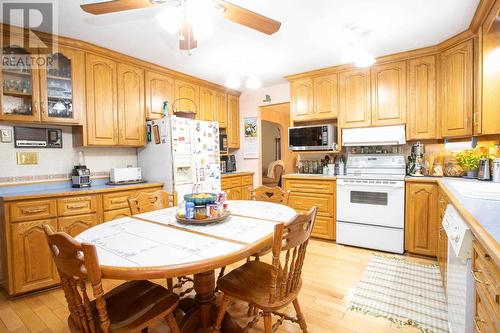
(405, 293)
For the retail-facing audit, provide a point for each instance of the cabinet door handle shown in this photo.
(80, 206)
(476, 278)
(33, 211)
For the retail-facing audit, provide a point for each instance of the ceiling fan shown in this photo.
(187, 40)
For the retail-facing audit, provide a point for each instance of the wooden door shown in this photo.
(233, 127)
(354, 98)
(422, 118)
(207, 110)
(302, 99)
(234, 193)
(457, 90)
(221, 109)
(388, 93)
(325, 97)
(74, 225)
(101, 90)
(62, 87)
(187, 97)
(20, 85)
(159, 88)
(422, 218)
(33, 266)
(131, 115)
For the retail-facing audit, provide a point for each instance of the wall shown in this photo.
(57, 163)
(270, 131)
(250, 101)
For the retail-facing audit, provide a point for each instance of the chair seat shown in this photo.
(269, 181)
(134, 304)
(251, 283)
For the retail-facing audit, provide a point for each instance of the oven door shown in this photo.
(375, 202)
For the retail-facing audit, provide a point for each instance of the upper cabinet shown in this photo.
(325, 97)
(221, 108)
(51, 94)
(302, 99)
(159, 88)
(187, 97)
(131, 115)
(422, 117)
(487, 119)
(101, 88)
(354, 98)
(456, 104)
(388, 83)
(233, 126)
(207, 109)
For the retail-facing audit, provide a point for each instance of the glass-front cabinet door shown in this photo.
(61, 87)
(20, 86)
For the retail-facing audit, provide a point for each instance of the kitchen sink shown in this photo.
(488, 191)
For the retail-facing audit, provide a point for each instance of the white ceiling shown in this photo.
(314, 34)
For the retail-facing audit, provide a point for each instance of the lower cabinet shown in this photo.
(305, 193)
(422, 218)
(238, 186)
(31, 262)
(28, 264)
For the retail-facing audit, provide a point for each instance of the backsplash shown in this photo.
(57, 163)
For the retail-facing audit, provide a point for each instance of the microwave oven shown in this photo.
(313, 137)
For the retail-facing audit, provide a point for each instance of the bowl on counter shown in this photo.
(200, 198)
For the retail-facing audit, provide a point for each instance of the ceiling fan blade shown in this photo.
(113, 6)
(186, 36)
(248, 18)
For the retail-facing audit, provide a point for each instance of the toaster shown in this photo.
(125, 175)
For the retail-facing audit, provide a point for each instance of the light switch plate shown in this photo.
(27, 158)
(6, 135)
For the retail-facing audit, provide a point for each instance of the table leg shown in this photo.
(204, 285)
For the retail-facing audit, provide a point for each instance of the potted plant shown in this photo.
(469, 161)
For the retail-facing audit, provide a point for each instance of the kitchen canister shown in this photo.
(496, 170)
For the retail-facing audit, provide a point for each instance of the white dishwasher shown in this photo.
(460, 284)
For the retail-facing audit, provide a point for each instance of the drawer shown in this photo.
(310, 186)
(305, 201)
(487, 279)
(234, 182)
(74, 225)
(116, 200)
(324, 227)
(116, 214)
(77, 205)
(224, 184)
(32, 210)
(485, 321)
(246, 180)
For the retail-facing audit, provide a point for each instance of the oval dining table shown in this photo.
(155, 245)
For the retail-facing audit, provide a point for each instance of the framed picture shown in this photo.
(251, 138)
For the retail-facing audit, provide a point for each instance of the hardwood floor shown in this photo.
(330, 275)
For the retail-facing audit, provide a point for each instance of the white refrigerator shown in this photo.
(183, 154)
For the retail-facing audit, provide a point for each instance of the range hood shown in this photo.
(374, 136)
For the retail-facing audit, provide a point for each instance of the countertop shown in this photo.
(236, 173)
(63, 188)
(316, 176)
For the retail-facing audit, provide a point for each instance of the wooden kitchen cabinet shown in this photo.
(101, 89)
(456, 83)
(233, 118)
(187, 97)
(325, 97)
(74, 225)
(237, 185)
(422, 103)
(354, 98)
(31, 263)
(221, 109)
(302, 99)
(388, 94)
(159, 88)
(421, 218)
(131, 114)
(306, 193)
(207, 110)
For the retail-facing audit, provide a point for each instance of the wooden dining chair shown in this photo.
(149, 201)
(270, 194)
(272, 287)
(130, 307)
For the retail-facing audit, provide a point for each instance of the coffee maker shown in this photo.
(80, 176)
(416, 160)
(228, 163)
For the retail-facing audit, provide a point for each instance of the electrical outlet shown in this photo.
(6, 135)
(27, 158)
